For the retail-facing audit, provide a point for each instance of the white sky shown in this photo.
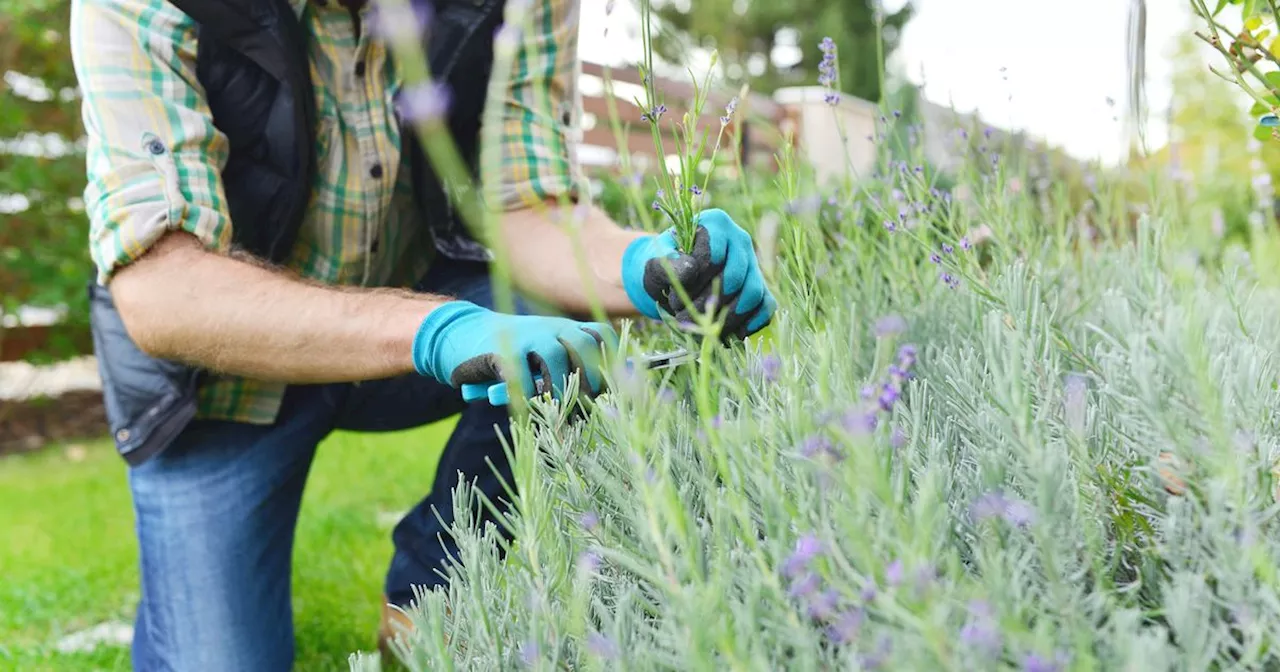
(1063, 59)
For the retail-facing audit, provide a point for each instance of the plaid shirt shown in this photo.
(135, 60)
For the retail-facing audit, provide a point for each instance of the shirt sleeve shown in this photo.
(537, 156)
(153, 155)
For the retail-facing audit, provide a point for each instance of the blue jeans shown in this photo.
(216, 512)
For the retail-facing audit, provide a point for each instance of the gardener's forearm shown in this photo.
(184, 303)
(548, 262)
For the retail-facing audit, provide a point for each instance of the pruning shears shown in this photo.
(496, 391)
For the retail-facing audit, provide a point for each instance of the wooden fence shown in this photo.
(762, 121)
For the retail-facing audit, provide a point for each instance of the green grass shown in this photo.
(68, 555)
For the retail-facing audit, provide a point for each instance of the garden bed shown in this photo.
(31, 424)
(52, 403)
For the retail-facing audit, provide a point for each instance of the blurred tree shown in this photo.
(44, 258)
(752, 36)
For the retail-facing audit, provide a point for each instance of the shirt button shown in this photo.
(359, 68)
(376, 171)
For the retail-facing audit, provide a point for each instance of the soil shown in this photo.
(30, 424)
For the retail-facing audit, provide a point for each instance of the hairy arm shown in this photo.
(568, 255)
(234, 315)
(160, 233)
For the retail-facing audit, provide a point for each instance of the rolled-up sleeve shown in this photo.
(153, 155)
(538, 161)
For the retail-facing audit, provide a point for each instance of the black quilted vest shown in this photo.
(252, 62)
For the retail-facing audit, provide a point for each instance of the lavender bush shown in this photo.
(984, 432)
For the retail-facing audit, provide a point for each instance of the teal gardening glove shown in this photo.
(721, 250)
(461, 343)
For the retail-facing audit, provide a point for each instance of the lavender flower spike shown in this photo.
(401, 22)
(807, 548)
(890, 325)
(602, 646)
(728, 111)
(424, 102)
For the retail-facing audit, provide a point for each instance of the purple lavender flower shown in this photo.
(868, 590)
(695, 190)
(893, 573)
(400, 23)
(823, 606)
(827, 71)
(816, 444)
(890, 226)
(424, 102)
(1034, 662)
(987, 506)
(907, 356)
(657, 206)
(529, 652)
(934, 258)
(804, 585)
(1019, 513)
(729, 110)
(890, 325)
(981, 630)
(859, 421)
(846, 626)
(589, 562)
(807, 548)
(660, 193)
(947, 248)
(602, 646)
(996, 504)
(589, 521)
(964, 243)
(888, 397)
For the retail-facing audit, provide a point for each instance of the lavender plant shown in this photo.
(683, 193)
(996, 426)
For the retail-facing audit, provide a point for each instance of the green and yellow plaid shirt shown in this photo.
(135, 60)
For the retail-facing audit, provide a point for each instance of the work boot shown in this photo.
(395, 623)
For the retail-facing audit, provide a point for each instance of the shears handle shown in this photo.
(496, 392)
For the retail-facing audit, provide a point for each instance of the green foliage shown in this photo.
(44, 257)
(1251, 50)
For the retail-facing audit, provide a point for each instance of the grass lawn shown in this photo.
(68, 557)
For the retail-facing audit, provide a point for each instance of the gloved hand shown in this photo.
(461, 342)
(722, 250)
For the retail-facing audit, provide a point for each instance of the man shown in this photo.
(268, 234)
